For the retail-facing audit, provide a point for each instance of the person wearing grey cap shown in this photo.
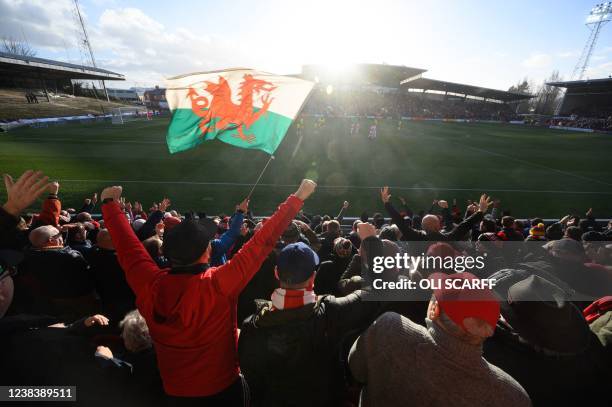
(291, 349)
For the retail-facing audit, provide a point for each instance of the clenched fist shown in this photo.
(113, 192)
(307, 187)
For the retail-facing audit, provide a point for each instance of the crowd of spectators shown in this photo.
(343, 103)
(153, 307)
(595, 123)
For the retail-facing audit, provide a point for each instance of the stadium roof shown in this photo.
(585, 86)
(470, 90)
(12, 65)
(365, 74)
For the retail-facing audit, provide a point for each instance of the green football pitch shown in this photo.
(533, 171)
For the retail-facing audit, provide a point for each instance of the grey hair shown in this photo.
(135, 332)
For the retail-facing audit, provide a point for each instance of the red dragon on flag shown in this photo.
(230, 115)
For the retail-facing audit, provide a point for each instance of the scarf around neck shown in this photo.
(287, 299)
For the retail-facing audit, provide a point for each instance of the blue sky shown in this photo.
(487, 43)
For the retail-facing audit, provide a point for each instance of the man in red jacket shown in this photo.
(190, 308)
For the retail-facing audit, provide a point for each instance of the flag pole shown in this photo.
(272, 156)
(259, 178)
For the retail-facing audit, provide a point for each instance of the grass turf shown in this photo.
(533, 171)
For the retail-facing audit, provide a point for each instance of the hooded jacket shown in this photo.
(192, 316)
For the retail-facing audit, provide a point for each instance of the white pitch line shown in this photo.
(244, 184)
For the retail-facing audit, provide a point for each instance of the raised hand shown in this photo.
(484, 203)
(113, 192)
(303, 226)
(243, 206)
(54, 187)
(25, 191)
(306, 188)
(345, 204)
(365, 230)
(164, 204)
(384, 194)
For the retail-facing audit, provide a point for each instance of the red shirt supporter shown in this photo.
(192, 315)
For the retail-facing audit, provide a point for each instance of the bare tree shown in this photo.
(17, 47)
(523, 87)
(547, 95)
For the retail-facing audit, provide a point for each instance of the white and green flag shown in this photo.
(242, 107)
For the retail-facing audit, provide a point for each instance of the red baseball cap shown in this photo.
(470, 301)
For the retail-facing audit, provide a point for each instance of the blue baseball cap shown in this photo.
(296, 263)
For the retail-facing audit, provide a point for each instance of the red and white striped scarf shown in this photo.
(287, 299)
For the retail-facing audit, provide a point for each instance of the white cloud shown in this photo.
(538, 61)
(38, 22)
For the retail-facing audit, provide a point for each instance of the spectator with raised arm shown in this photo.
(190, 309)
(431, 227)
(148, 228)
(51, 208)
(222, 245)
(20, 195)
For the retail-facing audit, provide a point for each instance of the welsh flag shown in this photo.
(242, 107)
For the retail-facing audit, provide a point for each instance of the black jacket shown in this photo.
(10, 237)
(329, 273)
(54, 282)
(294, 357)
(549, 379)
(327, 245)
(115, 294)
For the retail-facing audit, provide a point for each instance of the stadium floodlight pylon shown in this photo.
(122, 115)
(599, 16)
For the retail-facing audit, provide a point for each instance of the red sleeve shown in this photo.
(234, 275)
(51, 209)
(140, 270)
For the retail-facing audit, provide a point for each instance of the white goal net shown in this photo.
(121, 115)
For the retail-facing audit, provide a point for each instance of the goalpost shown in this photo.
(121, 115)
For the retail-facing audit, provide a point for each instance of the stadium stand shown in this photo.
(14, 106)
(397, 91)
(32, 87)
(587, 104)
